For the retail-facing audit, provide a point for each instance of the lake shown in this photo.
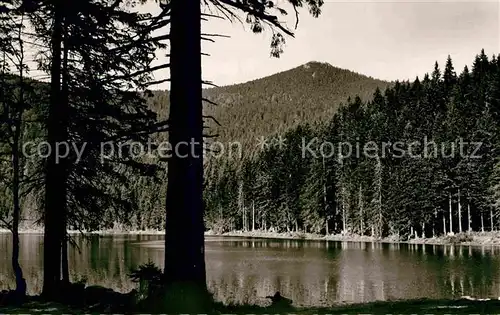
(312, 273)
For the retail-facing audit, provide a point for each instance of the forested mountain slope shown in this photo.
(270, 105)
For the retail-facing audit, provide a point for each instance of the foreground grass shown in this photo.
(422, 306)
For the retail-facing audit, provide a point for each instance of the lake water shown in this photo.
(312, 273)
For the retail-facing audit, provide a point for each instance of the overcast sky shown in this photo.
(385, 39)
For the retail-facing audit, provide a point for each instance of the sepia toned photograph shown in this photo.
(249, 157)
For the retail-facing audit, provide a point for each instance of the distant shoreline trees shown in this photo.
(386, 196)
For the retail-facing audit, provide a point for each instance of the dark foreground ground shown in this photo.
(425, 306)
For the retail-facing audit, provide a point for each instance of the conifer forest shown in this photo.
(90, 143)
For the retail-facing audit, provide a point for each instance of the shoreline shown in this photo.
(464, 238)
(103, 232)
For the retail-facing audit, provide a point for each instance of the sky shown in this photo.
(390, 40)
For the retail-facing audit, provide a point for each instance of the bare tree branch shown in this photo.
(210, 83)
(215, 35)
(261, 15)
(209, 101)
(212, 118)
(157, 82)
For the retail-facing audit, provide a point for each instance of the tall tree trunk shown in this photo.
(361, 215)
(253, 215)
(491, 219)
(482, 221)
(345, 214)
(451, 213)
(243, 220)
(444, 224)
(335, 217)
(434, 223)
(16, 179)
(184, 231)
(64, 215)
(54, 178)
(241, 205)
(469, 219)
(379, 192)
(459, 213)
(18, 272)
(344, 217)
(64, 259)
(325, 203)
(20, 282)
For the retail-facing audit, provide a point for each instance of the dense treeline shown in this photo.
(305, 186)
(265, 106)
(370, 194)
(427, 164)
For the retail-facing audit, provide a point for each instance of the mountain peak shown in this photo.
(316, 64)
(308, 93)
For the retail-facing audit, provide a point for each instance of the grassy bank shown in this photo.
(422, 306)
(472, 238)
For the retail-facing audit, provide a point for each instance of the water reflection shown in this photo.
(317, 273)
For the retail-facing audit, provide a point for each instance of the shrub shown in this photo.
(459, 238)
(149, 276)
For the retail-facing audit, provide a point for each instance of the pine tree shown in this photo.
(449, 76)
(99, 58)
(184, 260)
(16, 95)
